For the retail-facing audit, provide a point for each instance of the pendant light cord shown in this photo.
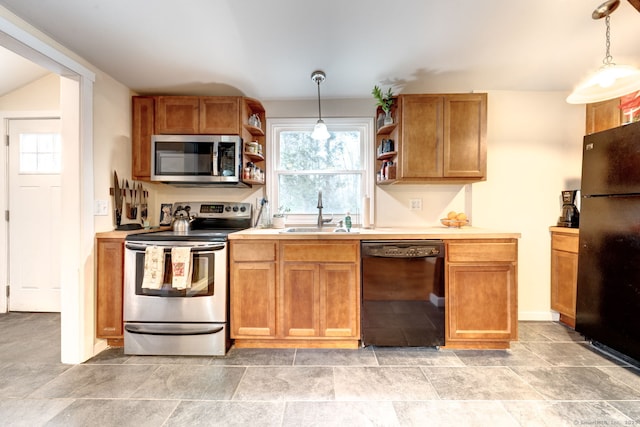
(319, 110)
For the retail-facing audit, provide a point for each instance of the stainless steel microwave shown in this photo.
(196, 158)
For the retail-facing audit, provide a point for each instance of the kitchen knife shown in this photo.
(117, 197)
(143, 205)
(127, 197)
(134, 201)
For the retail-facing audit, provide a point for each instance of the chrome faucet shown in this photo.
(321, 221)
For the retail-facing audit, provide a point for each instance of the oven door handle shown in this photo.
(173, 331)
(194, 249)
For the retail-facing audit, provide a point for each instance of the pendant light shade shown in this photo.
(320, 131)
(611, 80)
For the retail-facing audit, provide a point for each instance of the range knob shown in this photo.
(227, 208)
(242, 208)
(235, 209)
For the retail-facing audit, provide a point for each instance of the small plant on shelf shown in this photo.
(383, 100)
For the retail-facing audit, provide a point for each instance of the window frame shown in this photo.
(363, 124)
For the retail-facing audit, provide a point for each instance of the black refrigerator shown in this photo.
(608, 299)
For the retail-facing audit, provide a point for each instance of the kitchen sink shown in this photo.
(317, 230)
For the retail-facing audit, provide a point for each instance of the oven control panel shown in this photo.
(214, 209)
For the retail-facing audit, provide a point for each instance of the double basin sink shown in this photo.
(327, 230)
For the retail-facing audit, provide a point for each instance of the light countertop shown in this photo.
(121, 234)
(385, 233)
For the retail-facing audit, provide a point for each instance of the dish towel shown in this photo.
(153, 268)
(181, 267)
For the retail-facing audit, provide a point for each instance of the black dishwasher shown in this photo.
(402, 293)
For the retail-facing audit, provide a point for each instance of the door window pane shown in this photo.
(40, 153)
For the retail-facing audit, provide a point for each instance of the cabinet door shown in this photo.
(339, 301)
(603, 115)
(177, 115)
(422, 136)
(481, 301)
(220, 115)
(142, 125)
(564, 279)
(109, 289)
(253, 299)
(465, 130)
(299, 293)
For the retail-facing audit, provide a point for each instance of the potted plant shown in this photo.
(279, 218)
(384, 101)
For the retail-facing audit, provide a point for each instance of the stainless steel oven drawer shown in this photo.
(176, 339)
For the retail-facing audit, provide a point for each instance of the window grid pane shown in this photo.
(40, 153)
(305, 166)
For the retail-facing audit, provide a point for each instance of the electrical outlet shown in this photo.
(415, 204)
(100, 207)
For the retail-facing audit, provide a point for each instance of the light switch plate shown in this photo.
(100, 207)
(415, 204)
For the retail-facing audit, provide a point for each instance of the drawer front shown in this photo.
(254, 251)
(562, 242)
(482, 252)
(326, 252)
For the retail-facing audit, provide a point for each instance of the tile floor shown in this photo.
(551, 377)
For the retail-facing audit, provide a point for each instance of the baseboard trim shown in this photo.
(538, 316)
(436, 300)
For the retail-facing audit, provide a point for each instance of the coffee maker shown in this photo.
(569, 215)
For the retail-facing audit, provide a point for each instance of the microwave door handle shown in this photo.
(214, 161)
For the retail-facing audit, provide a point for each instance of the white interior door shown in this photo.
(34, 214)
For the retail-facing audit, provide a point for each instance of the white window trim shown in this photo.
(366, 125)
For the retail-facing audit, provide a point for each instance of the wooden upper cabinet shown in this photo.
(177, 115)
(422, 136)
(465, 132)
(220, 115)
(438, 138)
(603, 115)
(193, 115)
(142, 125)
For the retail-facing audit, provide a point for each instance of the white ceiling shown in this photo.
(268, 48)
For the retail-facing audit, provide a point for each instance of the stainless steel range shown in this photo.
(176, 283)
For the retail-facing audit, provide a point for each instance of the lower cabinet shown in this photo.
(306, 295)
(564, 274)
(109, 290)
(319, 300)
(252, 290)
(481, 293)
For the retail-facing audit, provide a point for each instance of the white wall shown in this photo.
(41, 95)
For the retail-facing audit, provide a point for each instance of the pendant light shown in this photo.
(611, 80)
(320, 131)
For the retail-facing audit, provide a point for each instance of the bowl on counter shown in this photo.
(454, 223)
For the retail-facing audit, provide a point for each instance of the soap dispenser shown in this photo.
(347, 221)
